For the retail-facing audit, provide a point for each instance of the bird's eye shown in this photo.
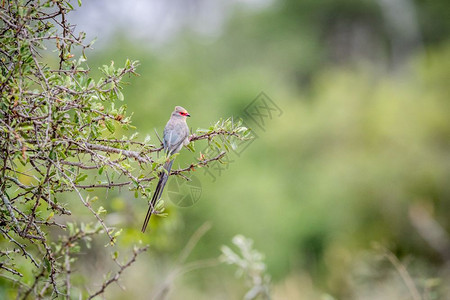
(183, 113)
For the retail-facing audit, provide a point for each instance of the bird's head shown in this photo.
(180, 112)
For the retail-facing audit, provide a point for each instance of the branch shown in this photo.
(409, 282)
(210, 135)
(116, 277)
(85, 203)
(128, 153)
(199, 164)
(10, 210)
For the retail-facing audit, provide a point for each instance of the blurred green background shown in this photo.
(358, 158)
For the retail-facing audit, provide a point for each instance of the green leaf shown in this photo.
(134, 135)
(25, 127)
(81, 177)
(159, 205)
(119, 94)
(190, 146)
(47, 264)
(52, 155)
(116, 234)
(52, 213)
(101, 210)
(71, 228)
(110, 125)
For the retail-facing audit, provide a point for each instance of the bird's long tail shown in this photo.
(163, 176)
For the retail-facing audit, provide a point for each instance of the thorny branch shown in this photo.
(122, 268)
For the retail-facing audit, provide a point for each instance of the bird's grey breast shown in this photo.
(175, 133)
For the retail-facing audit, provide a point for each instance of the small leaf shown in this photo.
(119, 94)
(101, 210)
(81, 177)
(47, 264)
(50, 216)
(117, 233)
(110, 126)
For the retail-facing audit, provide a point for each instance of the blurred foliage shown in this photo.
(250, 263)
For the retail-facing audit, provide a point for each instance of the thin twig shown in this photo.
(409, 282)
(116, 276)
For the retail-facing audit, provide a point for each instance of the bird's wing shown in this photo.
(174, 136)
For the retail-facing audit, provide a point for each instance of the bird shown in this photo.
(176, 135)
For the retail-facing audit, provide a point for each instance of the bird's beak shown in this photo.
(188, 115)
